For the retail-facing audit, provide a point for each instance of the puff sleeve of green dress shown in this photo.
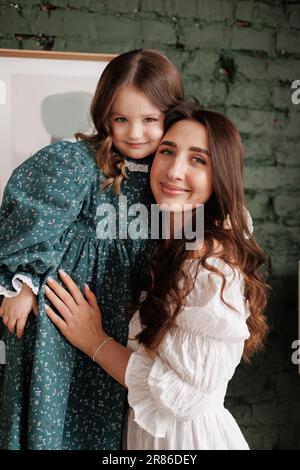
(35, 214)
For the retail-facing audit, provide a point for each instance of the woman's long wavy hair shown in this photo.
(150, 72)
(167, 284)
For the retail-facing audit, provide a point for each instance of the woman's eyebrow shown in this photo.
(169, 143)
(193, 149)
(199, 149)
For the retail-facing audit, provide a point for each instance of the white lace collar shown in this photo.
(132, 166)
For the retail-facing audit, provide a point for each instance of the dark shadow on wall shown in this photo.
(264, 396)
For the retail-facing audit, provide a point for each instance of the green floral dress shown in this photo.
(52, 396)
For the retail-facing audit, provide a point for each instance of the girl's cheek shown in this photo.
(116, 130)
(161, 132)
(158, 132)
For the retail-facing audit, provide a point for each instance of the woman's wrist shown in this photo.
(97, 353)
(97, 344)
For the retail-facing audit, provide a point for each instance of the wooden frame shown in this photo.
(44, 97)
(56, 55)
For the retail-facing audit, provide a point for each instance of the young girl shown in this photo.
(51, 395)
(200, 310)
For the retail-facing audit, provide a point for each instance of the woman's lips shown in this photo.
(173, 190)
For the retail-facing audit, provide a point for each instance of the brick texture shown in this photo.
(239, 57)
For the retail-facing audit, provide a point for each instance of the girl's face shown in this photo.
(136, 124)
(181, 172)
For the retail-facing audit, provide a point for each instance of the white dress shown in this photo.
(177, 400)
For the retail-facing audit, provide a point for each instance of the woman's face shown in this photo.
(181, 172)
(136, 124)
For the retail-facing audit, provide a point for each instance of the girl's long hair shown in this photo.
(150, 72)
(167, 284)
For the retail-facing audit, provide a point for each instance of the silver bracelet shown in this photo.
(101, 345)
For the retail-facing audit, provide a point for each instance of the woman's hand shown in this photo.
(14, 311)
(81, 321)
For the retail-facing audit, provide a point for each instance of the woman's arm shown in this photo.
(113, 358)
(81, 324)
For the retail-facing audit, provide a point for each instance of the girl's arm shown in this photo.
(14, 311)
(81, 324)
(42, 199)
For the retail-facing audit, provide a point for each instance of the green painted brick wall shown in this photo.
(239, 57)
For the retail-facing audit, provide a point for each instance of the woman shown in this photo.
(200, 311)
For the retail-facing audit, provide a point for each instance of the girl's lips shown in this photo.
(168, 189)
(136, 146)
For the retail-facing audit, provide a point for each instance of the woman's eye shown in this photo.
(166, 152)
(120, 119)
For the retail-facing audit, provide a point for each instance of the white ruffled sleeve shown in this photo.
(157, 394)
(196, 359)
(146, 412)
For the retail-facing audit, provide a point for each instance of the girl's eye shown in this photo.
(166, 152)
(151, 119)
(199, 160)
(120, 119)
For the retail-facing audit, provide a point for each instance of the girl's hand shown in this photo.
(82, 322)
(14, 311)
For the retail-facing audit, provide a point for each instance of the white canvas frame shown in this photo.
(39, 90)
